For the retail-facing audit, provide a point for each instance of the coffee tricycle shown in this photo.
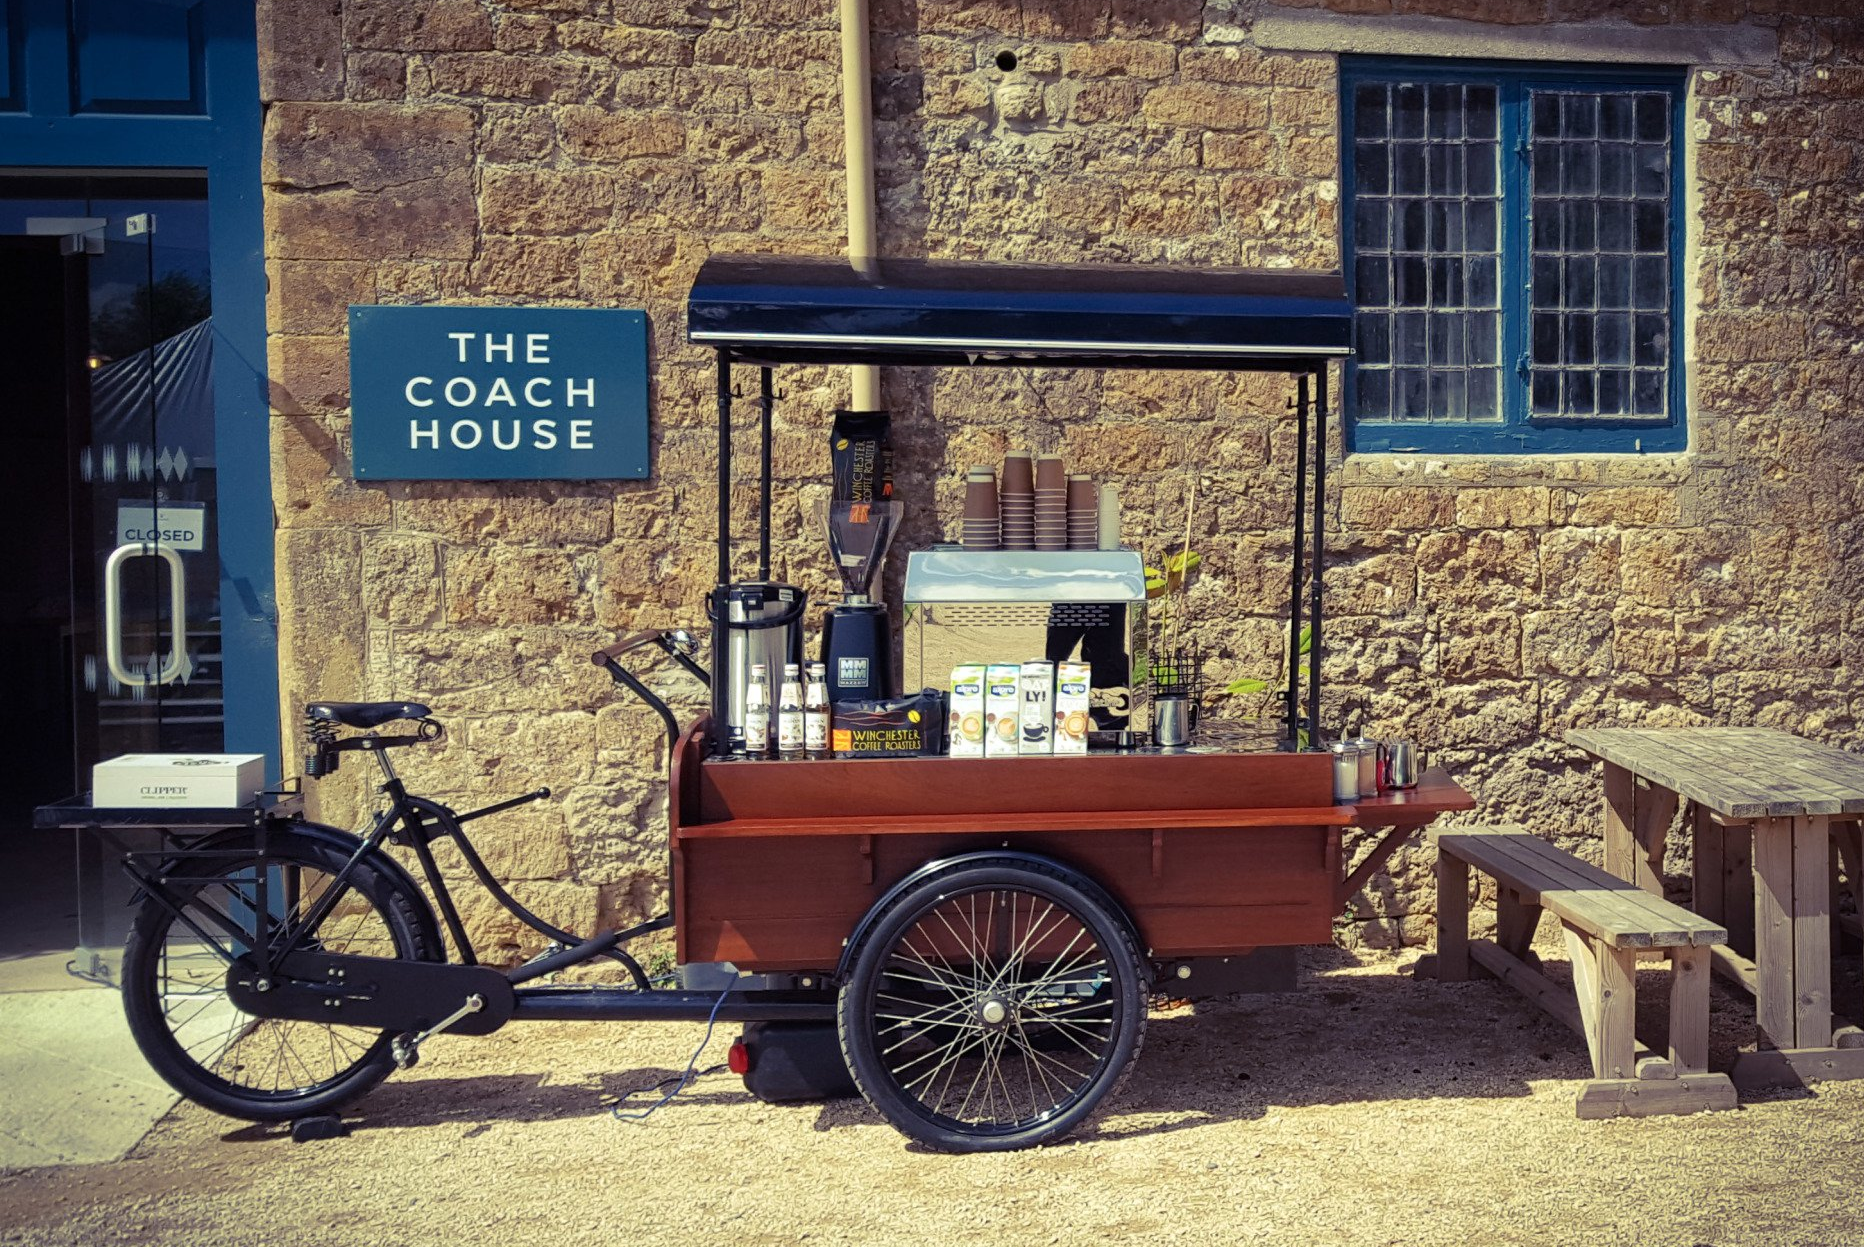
(971, 941)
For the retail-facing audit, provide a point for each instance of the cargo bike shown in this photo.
(974, 942)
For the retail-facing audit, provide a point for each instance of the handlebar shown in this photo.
(633, 641)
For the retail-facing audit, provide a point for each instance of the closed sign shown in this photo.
(498, 393)
(177, 525)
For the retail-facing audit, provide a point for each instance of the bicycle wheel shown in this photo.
(174, 983)
(993, 1006)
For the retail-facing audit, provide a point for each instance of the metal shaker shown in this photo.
(1404, 763)
(1371, 755)
(1345, 770)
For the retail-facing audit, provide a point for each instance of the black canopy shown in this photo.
(784, 309)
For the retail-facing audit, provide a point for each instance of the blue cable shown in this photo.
(685, 1079)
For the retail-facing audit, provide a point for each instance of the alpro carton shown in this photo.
(1002, 709)
(1072, 721)
(967, 710)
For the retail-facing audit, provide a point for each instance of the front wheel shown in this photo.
(174, 980)
(995, 1005)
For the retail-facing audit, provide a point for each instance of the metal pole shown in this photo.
(857, 141)
(1319, 572)
(767, 399)
(1293, 717)
(721, 676)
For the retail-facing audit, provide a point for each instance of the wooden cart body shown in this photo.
(776, 864)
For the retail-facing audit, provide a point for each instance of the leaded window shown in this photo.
(1512, 247)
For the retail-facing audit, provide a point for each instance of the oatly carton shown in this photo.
(967, 710)
(1002, 709)
(1072, 721)
(1038, 707)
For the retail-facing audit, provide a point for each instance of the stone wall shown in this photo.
(594, 152)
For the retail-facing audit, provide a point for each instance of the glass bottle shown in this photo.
(757, 712)
(790, 713)
(815, 712)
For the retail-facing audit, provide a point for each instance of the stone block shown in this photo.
(1129, 59)
(431, 219)
(1493, 715)
(401, 580)
(321, 631)
(1383, 508)
(1627, 506)
(1582, 566)
(1256, 151)
(544, 201)
(527, 267)
(590, 132)
(1300, 109)
(804, 200)
(1644, 640)
(518, 78)
(1685, 566)
(1567, 643)
(376, 76)
(1383, 583)
(518, 133)
(1207, 106)
(300, 49)
(1479, 646)
(1493, 569)
(1118, 100)
(313, 297)
(365, 147)
(431, 26)
(307, 374)
(1509, 506)
(523, 32)
(311, 482)
(530, 842)
(754, 138)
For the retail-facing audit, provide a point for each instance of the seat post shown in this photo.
(381, 759)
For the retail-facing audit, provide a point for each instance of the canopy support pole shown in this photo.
(1318, 573)
(721, 604)
(1292, 717)
(767, 400)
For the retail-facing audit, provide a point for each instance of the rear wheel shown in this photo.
(174, 981)
(993, 1006)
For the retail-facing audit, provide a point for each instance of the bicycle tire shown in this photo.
(957, 1011)
(153, 995)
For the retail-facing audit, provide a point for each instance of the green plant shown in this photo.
(1250, 684)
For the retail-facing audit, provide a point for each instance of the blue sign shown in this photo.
(498, 393)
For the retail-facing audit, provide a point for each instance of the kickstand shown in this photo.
(321, 1126)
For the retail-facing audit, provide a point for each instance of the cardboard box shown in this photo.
(1038, 709)
(182, 780)
(967, 711)
(1002, 709)
(1073, 721)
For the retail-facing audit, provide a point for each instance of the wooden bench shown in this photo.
(1608, 923)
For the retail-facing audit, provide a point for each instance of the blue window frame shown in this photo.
(1513, 237)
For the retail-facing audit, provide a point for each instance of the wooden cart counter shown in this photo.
(1211, 854)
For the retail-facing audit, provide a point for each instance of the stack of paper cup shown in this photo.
(1109, 526)
(982, 530)
(1017, 501)
(1083, 514)
(1051, 517)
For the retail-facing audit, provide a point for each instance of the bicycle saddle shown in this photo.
(365, 713)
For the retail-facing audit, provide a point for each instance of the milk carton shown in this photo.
(1037, 682)
(1002, 709)
(967, 710)
(1072, 721)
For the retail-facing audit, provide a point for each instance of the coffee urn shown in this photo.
(764, 624)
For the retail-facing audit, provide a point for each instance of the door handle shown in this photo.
(176, 664)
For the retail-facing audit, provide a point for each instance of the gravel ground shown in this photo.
(1368, 1108)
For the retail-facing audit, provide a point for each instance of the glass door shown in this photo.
(146, 567)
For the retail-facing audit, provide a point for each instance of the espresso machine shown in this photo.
(1005, 606)
(857, 635)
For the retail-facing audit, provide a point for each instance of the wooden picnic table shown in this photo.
(1762, 807)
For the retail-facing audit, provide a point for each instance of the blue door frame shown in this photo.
(174, 84)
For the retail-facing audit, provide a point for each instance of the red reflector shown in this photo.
(738, 1060)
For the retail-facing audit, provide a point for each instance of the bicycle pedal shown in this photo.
(405, 1050)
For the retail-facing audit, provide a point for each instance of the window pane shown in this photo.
(1426, 250)
(1599, 249)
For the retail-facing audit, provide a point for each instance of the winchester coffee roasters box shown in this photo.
(183, 780)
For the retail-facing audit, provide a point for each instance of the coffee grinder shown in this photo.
(857, 637)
